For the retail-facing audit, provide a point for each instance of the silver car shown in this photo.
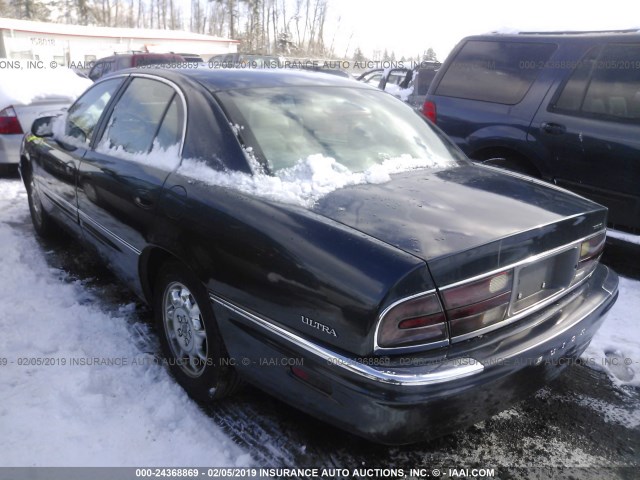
(26, 95)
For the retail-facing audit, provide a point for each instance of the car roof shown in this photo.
(587, 36)
(220, 79)
(136, 55)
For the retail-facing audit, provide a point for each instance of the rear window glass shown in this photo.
(499, 72)
(357, 127)
(425, 76)
(124, 62)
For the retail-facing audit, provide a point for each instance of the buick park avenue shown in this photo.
(323, 241)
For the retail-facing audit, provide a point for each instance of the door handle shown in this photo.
(144, 201)
(553, 128)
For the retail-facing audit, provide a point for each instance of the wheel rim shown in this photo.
(184, 328)
(34, 197)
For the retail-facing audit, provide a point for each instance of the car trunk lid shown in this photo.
(499, 246)
(466, 220)
(50, 105)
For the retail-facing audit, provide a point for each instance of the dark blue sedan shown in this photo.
(320, 239)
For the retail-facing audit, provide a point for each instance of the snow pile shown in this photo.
(22, 87)
(624, 236)
(616, 346)
(59, 130)
(616, 414)
(306, 182)
(164, 158)
(395, 90)
(85, 415)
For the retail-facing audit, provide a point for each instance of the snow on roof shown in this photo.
(22, 87)
(109, 32)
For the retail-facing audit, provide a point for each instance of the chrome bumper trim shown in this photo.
(441, 372)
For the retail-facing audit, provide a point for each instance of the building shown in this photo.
(78, 45)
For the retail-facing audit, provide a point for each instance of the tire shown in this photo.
(189, 335)
(43, 224)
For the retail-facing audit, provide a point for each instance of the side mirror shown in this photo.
(43, 127)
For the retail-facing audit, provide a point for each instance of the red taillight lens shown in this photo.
(478, 304)
(9, 124)
(429, 110)
(416, 321)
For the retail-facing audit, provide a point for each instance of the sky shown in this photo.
(409, 27)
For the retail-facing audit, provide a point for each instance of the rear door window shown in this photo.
(170, 132)
(136, 118)
(614, 90)
(572, 94)
(425, 77)
(499, 72)
(604, 85)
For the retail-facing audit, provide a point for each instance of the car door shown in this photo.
(121, 178)
(56, 162)
(590, 131)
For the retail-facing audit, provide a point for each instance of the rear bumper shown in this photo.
(10, 149)
(414, 398)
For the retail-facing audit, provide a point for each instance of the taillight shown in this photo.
(590, 251)
(592, 248)
(472, 307)
(479, 304)
(415, 321)
(9, 123)
(429, 110)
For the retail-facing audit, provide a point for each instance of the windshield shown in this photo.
(357, 127)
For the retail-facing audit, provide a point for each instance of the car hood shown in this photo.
(432, 214)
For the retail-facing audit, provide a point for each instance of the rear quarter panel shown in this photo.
(284, 262)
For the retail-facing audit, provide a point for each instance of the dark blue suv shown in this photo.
(564, 107)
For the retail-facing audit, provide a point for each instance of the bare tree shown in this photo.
(29, 10)
(263, 26)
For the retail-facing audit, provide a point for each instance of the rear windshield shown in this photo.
(425, 77)
(499, 72)
(357, 127)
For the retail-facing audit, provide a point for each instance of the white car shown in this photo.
(26, 94)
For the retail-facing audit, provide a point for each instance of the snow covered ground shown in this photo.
(91, 415)
(624, 236)
(616, 346)
(134, 413)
